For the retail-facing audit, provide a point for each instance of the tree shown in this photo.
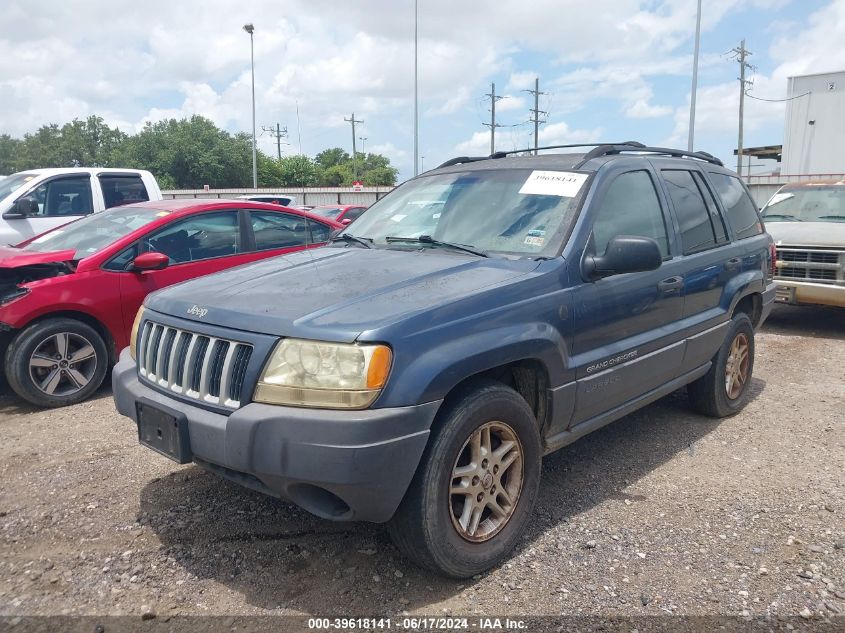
(332, 157)
(298, 171)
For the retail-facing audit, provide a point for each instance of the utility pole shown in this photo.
(278, 133)
(298, 127)
(536, 112)
(353, 121)
(740, 55)
(492, 125)
(691, 137)
(416, 94)
(363, 140)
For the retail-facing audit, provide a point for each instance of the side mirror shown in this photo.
(624, 254)
(346, 221)
(150, 261)
(22, 208)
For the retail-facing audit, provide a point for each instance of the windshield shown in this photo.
(94, 232)
(12, 183)
(809, 203)
(507, 211)
(326, 212)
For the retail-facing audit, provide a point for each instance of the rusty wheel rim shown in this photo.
(736, 367)
(486, 482)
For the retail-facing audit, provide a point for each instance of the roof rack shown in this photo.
(471, 159)
(606, 150)
(600, 149)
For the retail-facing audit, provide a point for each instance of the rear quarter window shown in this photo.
(122, 189)
(738, 205)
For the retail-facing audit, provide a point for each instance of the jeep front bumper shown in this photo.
(339, 465)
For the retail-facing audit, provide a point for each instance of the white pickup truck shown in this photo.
(36, 200)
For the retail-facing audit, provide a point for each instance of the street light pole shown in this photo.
(249, 28)
(416, 100)
(691, 138)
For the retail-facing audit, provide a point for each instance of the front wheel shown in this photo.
(723, 391)
(476, 486)
(56, 362)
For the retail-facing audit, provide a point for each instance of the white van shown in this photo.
(36, 200)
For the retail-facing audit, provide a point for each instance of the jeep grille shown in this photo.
(196, 366)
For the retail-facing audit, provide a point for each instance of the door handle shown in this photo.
(733, 264)
(671, 284)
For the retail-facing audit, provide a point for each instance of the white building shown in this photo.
(814, 135)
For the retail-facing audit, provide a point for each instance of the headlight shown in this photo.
(324, 375)
(133, 336)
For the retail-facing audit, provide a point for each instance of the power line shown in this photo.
(278, 133)
(492, 125)
(751, 96)
(536, 112)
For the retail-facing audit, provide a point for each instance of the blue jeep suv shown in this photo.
(479, 317)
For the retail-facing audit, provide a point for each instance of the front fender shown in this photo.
(433, 373)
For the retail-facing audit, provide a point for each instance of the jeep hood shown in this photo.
(825, 234)
(334, 293)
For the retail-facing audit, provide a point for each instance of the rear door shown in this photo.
(625, 341)
(711, 262)
(60, 199)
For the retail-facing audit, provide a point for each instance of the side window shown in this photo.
(198, 237)
(278, 230)
(354, 214)
(630, 207)
(741, 211)
(120, 261)
(64, 197)
(715, 216)
(319, 232)
(119, 189)
(693, 217)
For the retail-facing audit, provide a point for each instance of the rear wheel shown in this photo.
(723, 391)
(476, 486)
(56, 362)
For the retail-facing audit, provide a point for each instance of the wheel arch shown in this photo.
(84, 317)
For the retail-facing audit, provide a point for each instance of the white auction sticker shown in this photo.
(554, 183)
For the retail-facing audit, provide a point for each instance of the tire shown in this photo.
(709, 394)
(78, 368)
(431, 526)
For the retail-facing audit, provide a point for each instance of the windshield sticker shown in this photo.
(535, 237)
(161, 214)
(780, 197)
(398, 217)
(565, 184)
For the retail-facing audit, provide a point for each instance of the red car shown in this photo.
(343, 213)
(69, 296)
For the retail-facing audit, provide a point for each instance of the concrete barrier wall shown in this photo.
(312, 196)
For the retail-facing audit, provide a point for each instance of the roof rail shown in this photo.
(606, 150)
(471, 159)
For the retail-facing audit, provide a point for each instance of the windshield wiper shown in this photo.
(782, 215)
(832, 217)
(427, 239)
(353, 239)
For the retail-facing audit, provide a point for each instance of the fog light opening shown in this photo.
(319, 501)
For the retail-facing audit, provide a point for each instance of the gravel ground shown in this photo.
(662, 512)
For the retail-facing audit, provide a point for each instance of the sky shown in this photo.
(611, 70)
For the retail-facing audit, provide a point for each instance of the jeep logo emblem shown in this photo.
(197, 311)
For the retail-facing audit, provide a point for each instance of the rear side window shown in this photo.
(715, 216)
(697, 233)
(278, 230)
(742, 213)
(120, 190)
(630, 207)
(354, 214)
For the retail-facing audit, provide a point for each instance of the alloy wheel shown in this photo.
(736, 367)
(62, 364)
(486, 482)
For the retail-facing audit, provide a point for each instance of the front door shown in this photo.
(623, 343)
(60, 200)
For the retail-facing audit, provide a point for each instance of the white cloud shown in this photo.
(641, 109)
